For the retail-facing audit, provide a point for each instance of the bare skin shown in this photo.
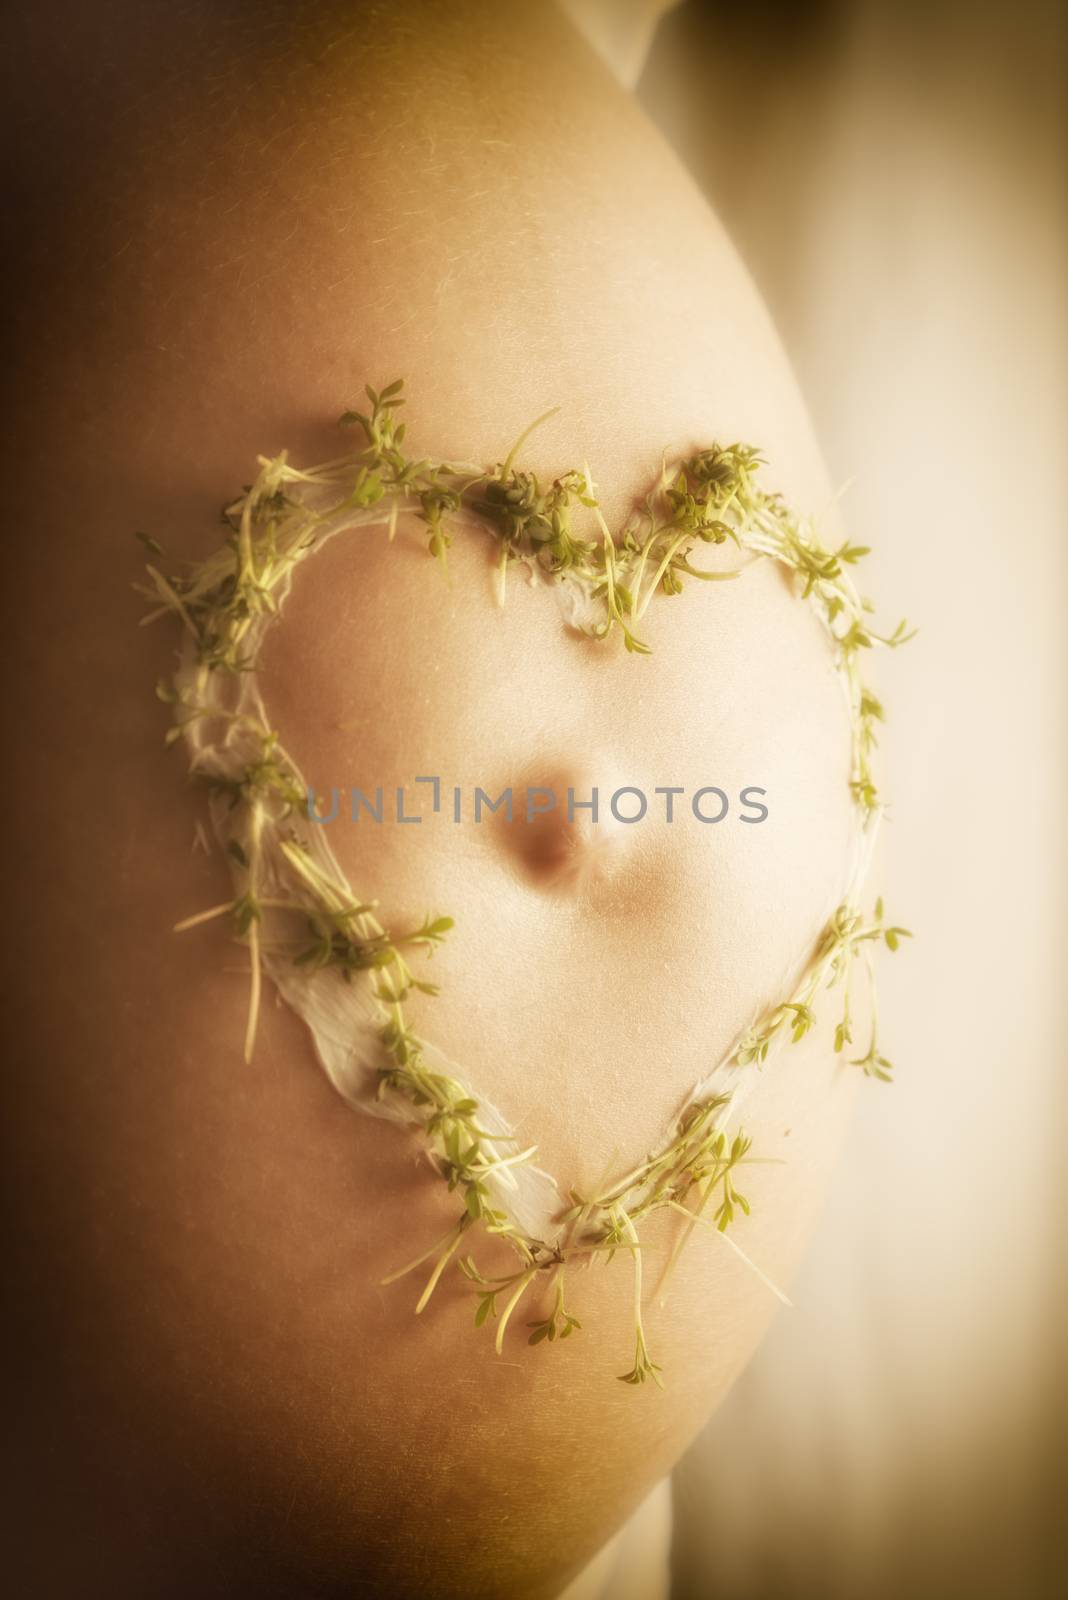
(234, 223)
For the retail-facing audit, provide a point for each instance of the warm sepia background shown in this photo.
(894, 177)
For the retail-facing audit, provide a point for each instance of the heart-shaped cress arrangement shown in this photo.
(330, 957)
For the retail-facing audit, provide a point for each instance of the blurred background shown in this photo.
(894, 176)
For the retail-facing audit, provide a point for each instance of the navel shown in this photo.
(569, 824)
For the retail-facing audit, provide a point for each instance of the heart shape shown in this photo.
(326, 952)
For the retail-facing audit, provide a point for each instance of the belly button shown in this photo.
(562, 833)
